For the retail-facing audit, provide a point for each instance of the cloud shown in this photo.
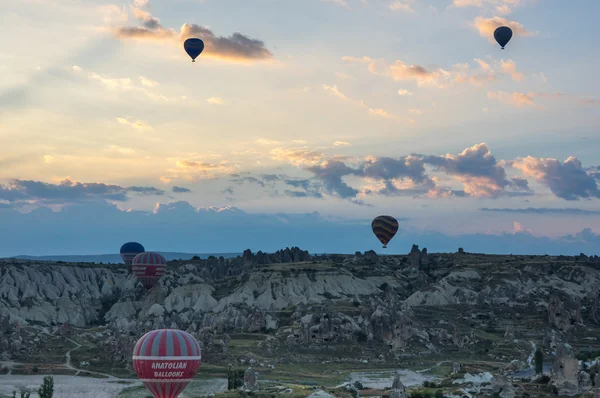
(510, 68)
(341, 143)
(134, 124)
(475, 168)
(487, 26)
(253, 180)
(330, 174)
(343, 75)
(567, 180)
(237, 47)
(148, 82)
(478, 171)
(215, 101)
(483, 65)
(404, 92)
(67, 191)
(333, 90)
(177, 189)
(190, 170)
(380, 113)
(543, 211)
(308, 189)
(122, 150)
(401, 71)
(402, 5)
(267, 142)
(48, 159)
(500, 6)
(300, 156)
(125, 85)
(515, 98)
(518, 228)
(113, 14)
(342, 3)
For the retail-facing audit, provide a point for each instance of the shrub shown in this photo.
(358, 385)
(544, 379)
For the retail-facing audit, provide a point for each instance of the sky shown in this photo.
(299, 123)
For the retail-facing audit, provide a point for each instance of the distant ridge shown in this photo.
(116, 258)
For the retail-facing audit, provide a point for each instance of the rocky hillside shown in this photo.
(290, 306)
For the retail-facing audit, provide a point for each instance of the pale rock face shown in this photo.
(191, 297)
(250, 380)
(449, 290)
(565, 371)
(502, 386)
(585, 382)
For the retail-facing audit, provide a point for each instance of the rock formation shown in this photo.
(565, 371)
(250, 380)
(563, 314)
(503, 387)
(398, 388)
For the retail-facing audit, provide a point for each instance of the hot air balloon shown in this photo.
(384, 227)
(503, 35)
(149, 267)
(193, 47)
(166, 360)
(129, 250)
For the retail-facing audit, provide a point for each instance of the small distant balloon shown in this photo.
(149, 267)
(129, 250)
(166, 360)
(193, 47)
(384, 228)
(503, 35)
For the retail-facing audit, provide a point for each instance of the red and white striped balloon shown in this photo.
(166, 360)
(149, 267)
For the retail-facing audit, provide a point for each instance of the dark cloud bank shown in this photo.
(96, 228)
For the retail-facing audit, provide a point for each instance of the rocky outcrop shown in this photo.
(585, 382)
(565, 372)
(398, 388)
(313, 301)
(563, 314)
(250, 380)
(502, 387)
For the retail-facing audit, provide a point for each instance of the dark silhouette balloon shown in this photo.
(129, 250)
(193, 47)
(503, 35)
(384, 228)
(149, 267)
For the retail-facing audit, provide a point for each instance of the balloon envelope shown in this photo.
(384, 228)
(166, 360)
(149, 267)
(503, 35)
(129, 250)
(193, 47)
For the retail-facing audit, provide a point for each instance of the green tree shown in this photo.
(47, 388)
(539, 361)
